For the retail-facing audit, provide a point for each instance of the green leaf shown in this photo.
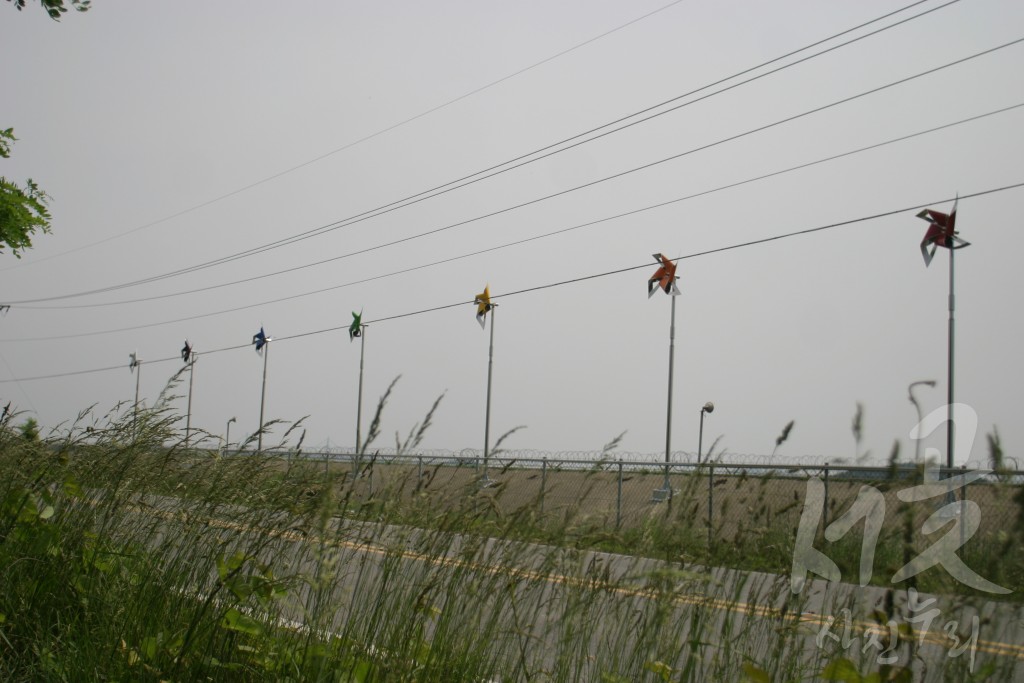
(72, 489)
(29, 512)
(237, 560)
(891, 674)
(360, 672)
(47, 512)
(149, 647)
(236, 621)
(226, 567)
(222, 568)
(841, 669)
(239, 588)
(102, 565)
(660, 669)
(755, 674)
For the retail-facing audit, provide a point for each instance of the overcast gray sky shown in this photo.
(152, 125)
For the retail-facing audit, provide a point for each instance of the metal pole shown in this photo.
(824, 504)
(920, 417)
(487, 417)
(543, 482)
(138, 376)
(618, 499)
(188, 414)
(949, 370)
(668, 420)
(963, 509)
(711, 505)
(263, 396)
(358, 407)
(227, 434)
(359, 404)
(700, 437)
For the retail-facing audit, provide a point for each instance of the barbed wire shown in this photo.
(576, 459)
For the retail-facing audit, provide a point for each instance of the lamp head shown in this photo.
(924, 382)
(709, 407)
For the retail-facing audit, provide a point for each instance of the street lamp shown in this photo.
(708, 407)
(227, 433)
(920, 418)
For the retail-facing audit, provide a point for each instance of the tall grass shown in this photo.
(129, 557)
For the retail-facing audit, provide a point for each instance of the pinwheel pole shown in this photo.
(487, 413)
(668, 421)
(359, 400)
(138, 376)
(263, 396)
(135, 366)
(665, 279)
(950, 429)
(942, 233)
(188, 413)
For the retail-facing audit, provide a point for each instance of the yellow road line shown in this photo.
(691, 599)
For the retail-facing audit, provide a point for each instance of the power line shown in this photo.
(359, 141)
(118, 367)
(618, 271)
(524, 240)
(453, 185)
(589, 184)
(524, 159)
(18, 384)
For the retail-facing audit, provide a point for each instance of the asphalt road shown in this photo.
(616, 607)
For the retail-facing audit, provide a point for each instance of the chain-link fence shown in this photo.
(742, 514)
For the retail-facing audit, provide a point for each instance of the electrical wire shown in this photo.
(584, 278)
(560, 193)
(524, 159)
(359, 141)
(18, 385)
(524, 240)
(416, 198)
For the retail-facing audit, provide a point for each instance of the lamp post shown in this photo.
(708, 407)
(920, 417)
(227, 433)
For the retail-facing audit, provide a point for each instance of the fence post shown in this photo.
(824, 512)
(711, 504)
(419, 470)
(963, 510)
(618, 499)
(543, 482)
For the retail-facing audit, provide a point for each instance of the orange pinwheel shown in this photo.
(664, 277)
